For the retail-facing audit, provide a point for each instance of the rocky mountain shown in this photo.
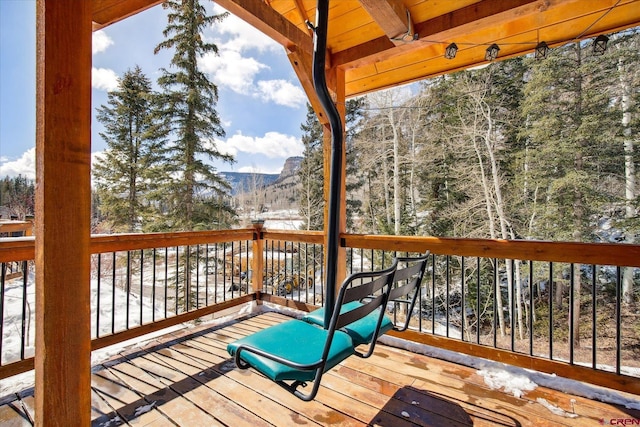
(247, 181)
(255, 192)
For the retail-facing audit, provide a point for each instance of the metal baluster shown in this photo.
(618, 319)
(25, 282)
(197, 277)
(128, 288)
(478, 275)
(463, 316)
(448, 290)
(98, 283)
(572, 287)
(496, 294)
(594, 329)
(531, 308)
(3, 275)
(166, 281)
(433, 295)
(513, 304)
(215, 278)
(177, 279)
(206, 275)
(187, 279)
(113, 294)
(550, 311)
(141, 283)
(153, 288)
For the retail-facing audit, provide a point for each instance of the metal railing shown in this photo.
(556, 307)
(138, 283)
(574, 313)
(133, 288)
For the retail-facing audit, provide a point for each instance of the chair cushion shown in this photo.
(361, 331)
(296, 341)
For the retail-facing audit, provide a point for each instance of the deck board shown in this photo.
(187, 378)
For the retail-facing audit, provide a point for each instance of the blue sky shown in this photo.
(261, 103)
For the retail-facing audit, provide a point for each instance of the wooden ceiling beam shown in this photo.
(393, 17)
(477, 15)
(107, 12)
(264, 18)
(303, 14)
(301, 63)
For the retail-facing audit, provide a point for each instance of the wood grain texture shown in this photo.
(187, 378)
(63, 210)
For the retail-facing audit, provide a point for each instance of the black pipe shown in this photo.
(335, 177)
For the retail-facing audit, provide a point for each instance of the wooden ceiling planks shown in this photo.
(392, 16)
(517, 34)
(107, 12)
(361, 31)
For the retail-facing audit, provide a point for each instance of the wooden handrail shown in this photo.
(23, 248)
(17, 249)
(20, 249)
(316, 237)
(573, 252)
(136, 241)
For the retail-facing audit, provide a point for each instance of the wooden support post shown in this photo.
(342, 109)
(257, 251)
(63, 195)
(336, 81)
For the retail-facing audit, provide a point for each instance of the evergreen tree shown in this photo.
(569, 133)
(190, 100)
(132, 166)
(17, 195)
(311, 195)
(354, 114)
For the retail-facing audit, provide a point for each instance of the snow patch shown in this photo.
(113, 421)
(144, 409)
(542, 379)
(555, 409)
(514, 384)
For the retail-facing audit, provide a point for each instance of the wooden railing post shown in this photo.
(63, 213)
(257, 262)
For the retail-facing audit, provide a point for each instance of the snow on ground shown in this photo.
(514, 384)
(25, 381)
(511, 379)
(285, 219)
(14, 303)
(515, 380)
(110, 297)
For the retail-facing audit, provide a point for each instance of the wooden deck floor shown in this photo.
(188, 379)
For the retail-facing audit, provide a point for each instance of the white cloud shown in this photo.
(100, 41)
(104, 79)
(25, 165)
(255, 169)
(232, 70)
(272, 145)
(242, 35)
(281, 92)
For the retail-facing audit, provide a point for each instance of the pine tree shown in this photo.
(569, 133)
(17, 196)
(311, 195)
(132, 166)
(198, 197)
